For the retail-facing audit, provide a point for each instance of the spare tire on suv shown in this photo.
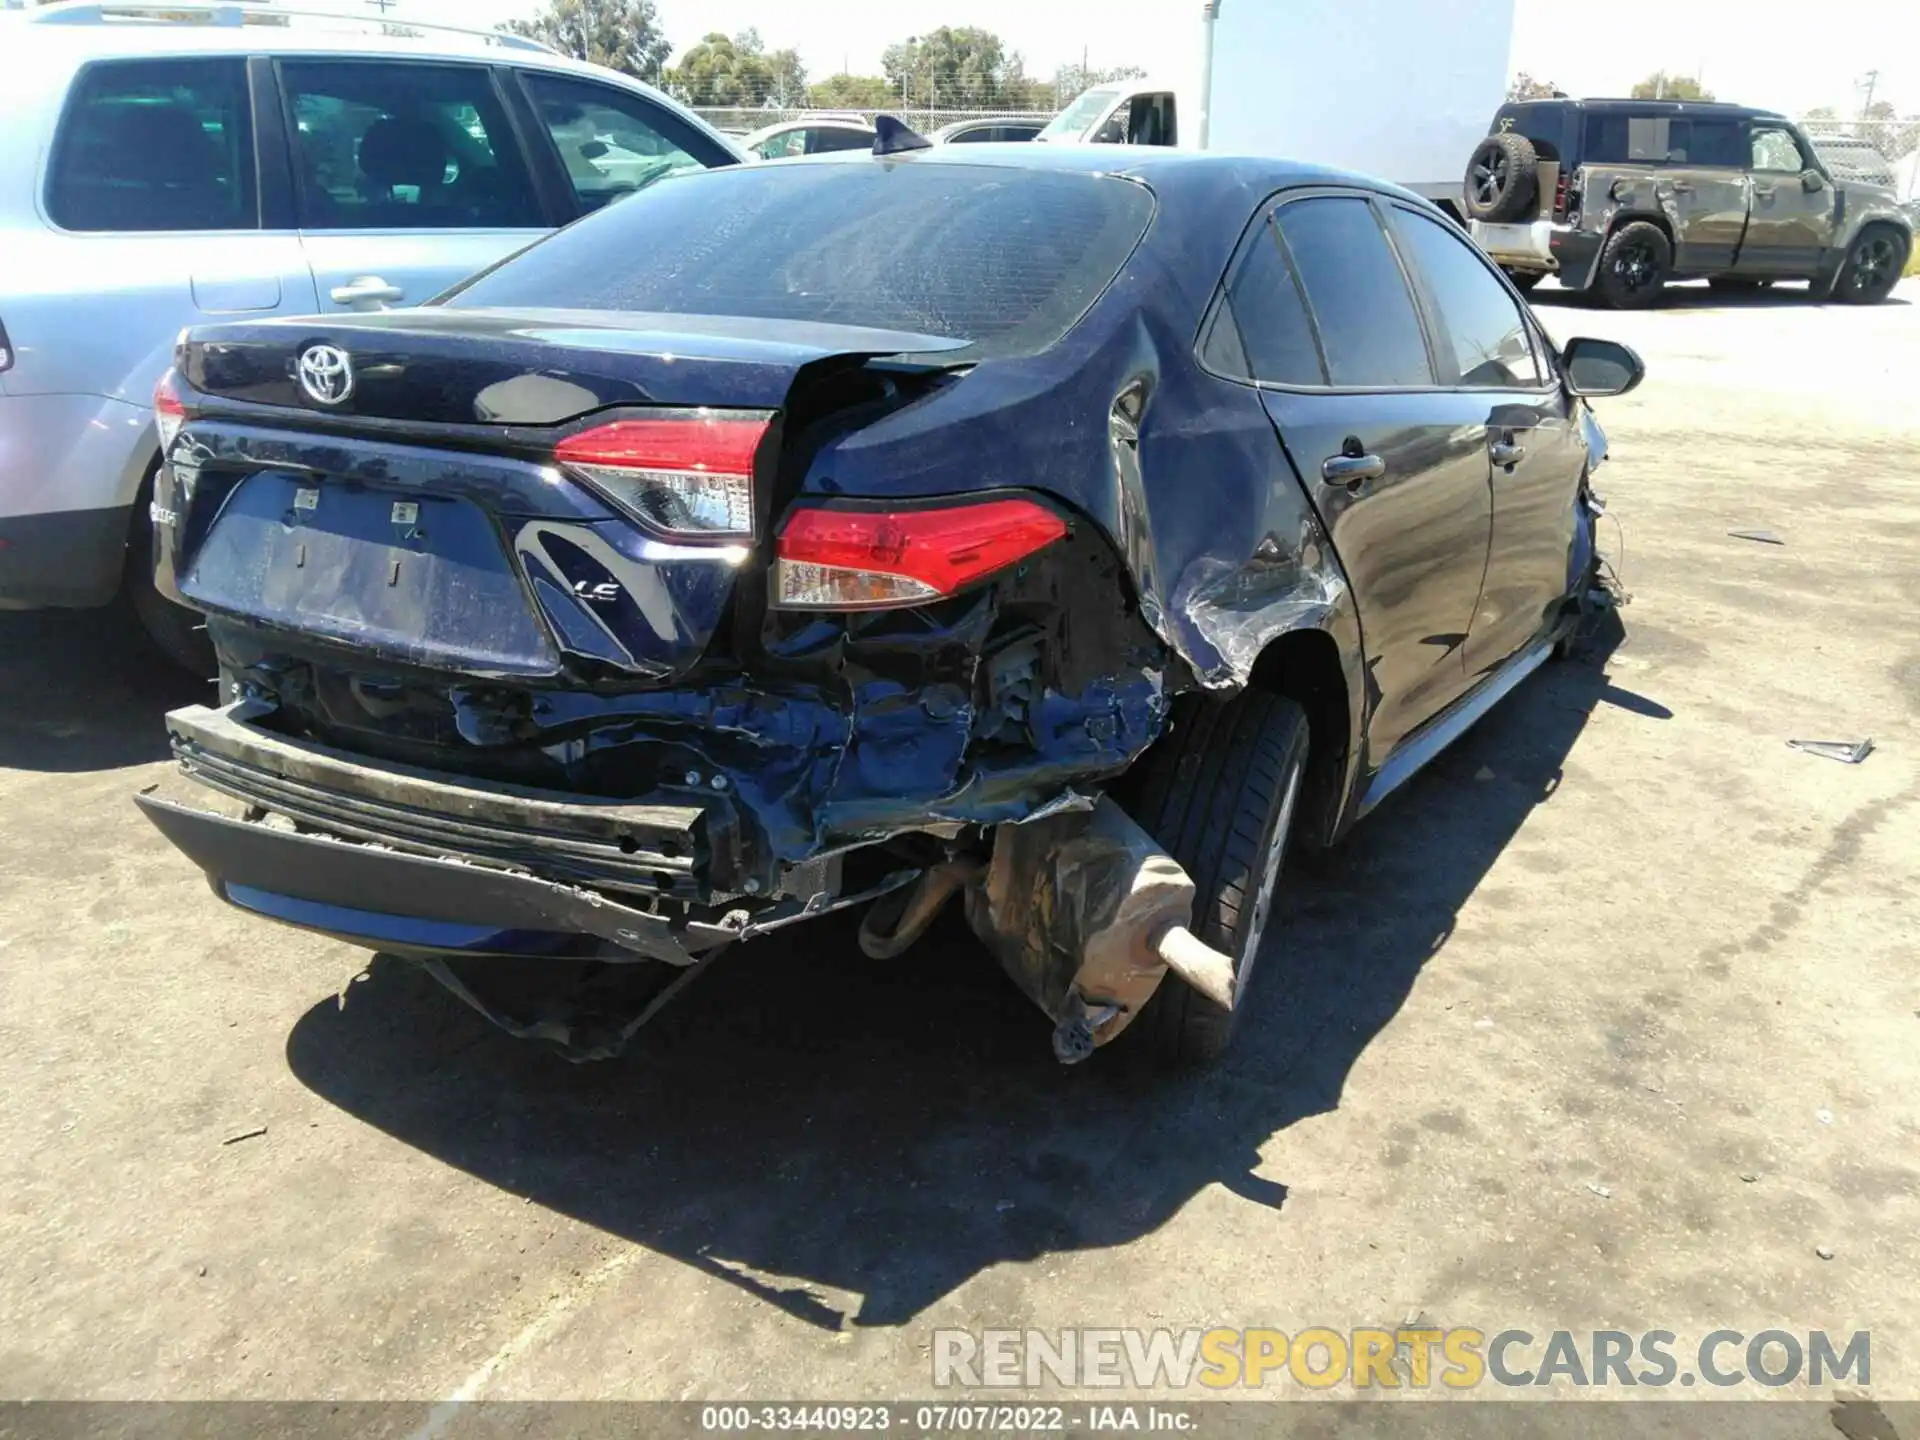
(1503, 178)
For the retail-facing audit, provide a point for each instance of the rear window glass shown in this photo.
(1007, 259)
(1544, 125)
(156, 145)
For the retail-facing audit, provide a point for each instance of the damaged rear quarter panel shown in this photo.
(1181, 472)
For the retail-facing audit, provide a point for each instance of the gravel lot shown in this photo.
(1610, 1020)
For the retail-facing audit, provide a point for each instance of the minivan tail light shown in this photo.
(689, 477)
(837, 559)
(169, 413)
(6, 351)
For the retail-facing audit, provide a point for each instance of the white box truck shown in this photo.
(1399, 89)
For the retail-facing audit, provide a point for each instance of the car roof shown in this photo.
(76, 31)
(1618, 105)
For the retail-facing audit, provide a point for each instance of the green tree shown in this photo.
(738, 71)
(958, 69)
(852, 92)
(620, 34)
(1525, 87)
(1662, 86)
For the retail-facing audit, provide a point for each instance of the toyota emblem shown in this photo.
(326, 374)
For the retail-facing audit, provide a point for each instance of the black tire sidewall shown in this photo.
(1181, 1025)
(1844, 287)
(1523, 179)
(1634, 232)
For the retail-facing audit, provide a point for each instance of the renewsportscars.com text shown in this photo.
(1401, 1358)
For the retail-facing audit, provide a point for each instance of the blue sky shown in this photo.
(1761, 52)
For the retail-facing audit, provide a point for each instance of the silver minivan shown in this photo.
(171, 164)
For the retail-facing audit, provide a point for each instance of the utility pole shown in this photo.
(1871, 82)
(383, 5)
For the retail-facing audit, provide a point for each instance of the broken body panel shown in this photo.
(472, 704)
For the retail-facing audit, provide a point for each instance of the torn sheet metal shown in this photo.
(1847, 752)
(1073, 908)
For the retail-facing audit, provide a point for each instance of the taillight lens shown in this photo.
(169, 414)
(6, 350)
(691, 477)
(832, 559)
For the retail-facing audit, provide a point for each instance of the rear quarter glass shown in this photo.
(1005, 259)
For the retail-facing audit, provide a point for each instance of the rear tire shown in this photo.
(1634, 266)
(1503, 178)
(1221, 793)
(1873, 266)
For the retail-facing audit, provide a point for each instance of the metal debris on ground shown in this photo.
(252, 1134)
(1825, 1252)
(1602, 1191)
(1847, 752)
(1825, 1117)
(1750, 1178)
(1765, 537)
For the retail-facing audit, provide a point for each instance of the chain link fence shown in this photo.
(1881, 152)
(740, 120)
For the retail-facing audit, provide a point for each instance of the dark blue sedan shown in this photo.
(1072, 529)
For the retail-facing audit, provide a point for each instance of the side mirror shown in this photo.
(1812, 181)
(1598, 368)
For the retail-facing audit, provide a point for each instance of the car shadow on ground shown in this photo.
(851, 1140)
(1701, 297)
(85, 691)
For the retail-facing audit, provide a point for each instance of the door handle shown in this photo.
(1352, 471)
(367, 290)
(1681, 187)
(1765, 192)
(1505, 452)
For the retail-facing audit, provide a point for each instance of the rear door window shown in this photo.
(1481, 328)
(151, 145)
(1716, 143)
(1369, 329)
(827, 140)
(1007, 260)
(613, 142)
(382, 145)
(1263, 331)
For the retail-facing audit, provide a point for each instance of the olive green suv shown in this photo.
(1617, 197)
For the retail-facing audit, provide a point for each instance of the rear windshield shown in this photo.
(1006, 259)
(1544, 125)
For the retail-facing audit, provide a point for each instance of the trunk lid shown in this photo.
(403, 494)
(541, 367)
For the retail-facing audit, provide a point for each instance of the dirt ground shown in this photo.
(1610, 1020)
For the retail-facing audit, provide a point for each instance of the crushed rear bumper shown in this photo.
(396, 858)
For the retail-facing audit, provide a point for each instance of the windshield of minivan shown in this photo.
(1003, 257)
(1072, 122)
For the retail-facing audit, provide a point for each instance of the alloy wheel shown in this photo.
(1872, 263)
(1490, 180)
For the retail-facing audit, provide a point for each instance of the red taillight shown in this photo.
(690, 476)
(832, 559)
(1560, 192)
(169, 414)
